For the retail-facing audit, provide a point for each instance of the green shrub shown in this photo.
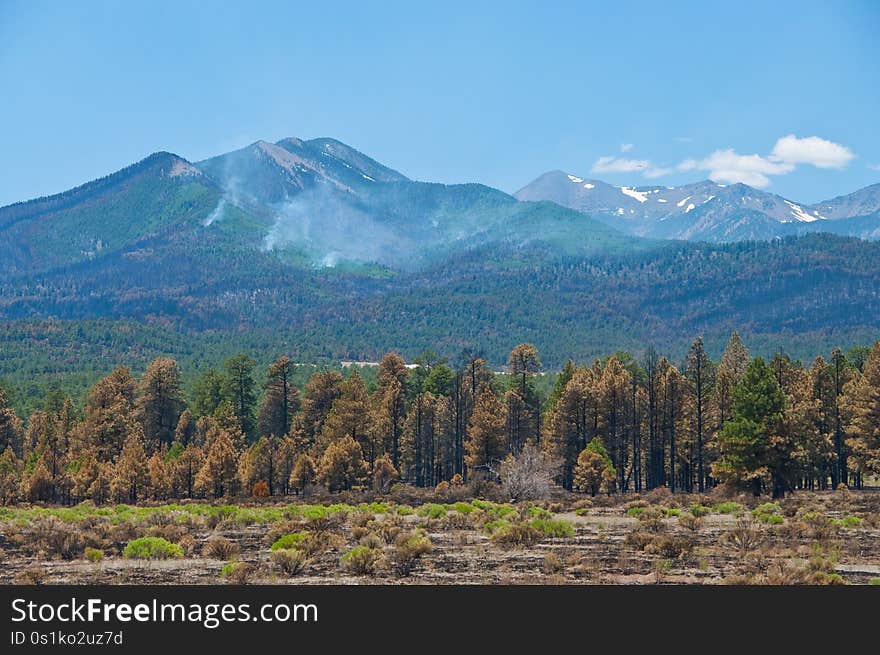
(462, 507)
(700, 510)
(874, 582)
(432, 510)
(495, 525)
(94, 555)
(288, 541)
(768, 513)
(238, 572)
(728, 507)
(151, 548)
(673, 512)
(539, 513)
(405, 510)
(552, 528)
(407, 551)
(361, 560)
(516, 534)
(582, 511)
(636, 512)
(847, 522)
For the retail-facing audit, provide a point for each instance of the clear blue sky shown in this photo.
(445, 91)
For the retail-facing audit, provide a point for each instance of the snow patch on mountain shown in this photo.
(576, 180)
(682, 202)
(799, 214)
(632, 193)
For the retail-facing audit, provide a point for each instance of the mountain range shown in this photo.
(313, 248)
(707, 211)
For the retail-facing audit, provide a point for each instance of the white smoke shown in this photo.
(330, 230)
(217, 213)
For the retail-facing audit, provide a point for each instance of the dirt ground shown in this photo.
(814, 538)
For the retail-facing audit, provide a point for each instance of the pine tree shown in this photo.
(342, 466)
(10, 476)
(239, 390)
(350, 416)
(392, 379)
(130, 473)
(183, 466)
(699, 374)
(160, 402)
(281, 401)
(209, 391)
(573, 423)
(303, 474)
(110, 414)
(384, 474)
(485, 448)
(594, 470)
(614, 412)
(862, 400)
(160, 481)
(751, 444)
(218, 476)
(320, 393)
(258, 465)
(11, 431)
(185, 431)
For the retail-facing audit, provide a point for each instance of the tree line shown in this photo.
(616, 425)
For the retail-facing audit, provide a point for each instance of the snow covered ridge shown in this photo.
(576, 180)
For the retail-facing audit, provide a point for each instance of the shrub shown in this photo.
(874, 582)
(744, 537)
(768, 513)
(408, 550)
(94, 555)
(848, 522)
(462, 507)
(669, 546)
(527, 475)
(552, 528)
(552, 564)
(638, 539)
(690, 522)
(582, 511)
(442, 487)
(673, 512)
(238, 572)
(289, 560)
(516, 534)
(699, 510)
(493, 526)
(361, 560)
(405, 510)
(260, 490)
(432, 511)
(636, 512)
(288, 541)
(151, 548)
(728, 507)
(219, 548)
(32, 575)
(539, 513)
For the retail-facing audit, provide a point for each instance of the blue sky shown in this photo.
(629, 92)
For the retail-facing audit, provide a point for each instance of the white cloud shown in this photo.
(688, 165)
(626, 147)
(874, 167)
(657, 171)
(812, 150)
(620, 165)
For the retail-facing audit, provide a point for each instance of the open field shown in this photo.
(808, 538)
